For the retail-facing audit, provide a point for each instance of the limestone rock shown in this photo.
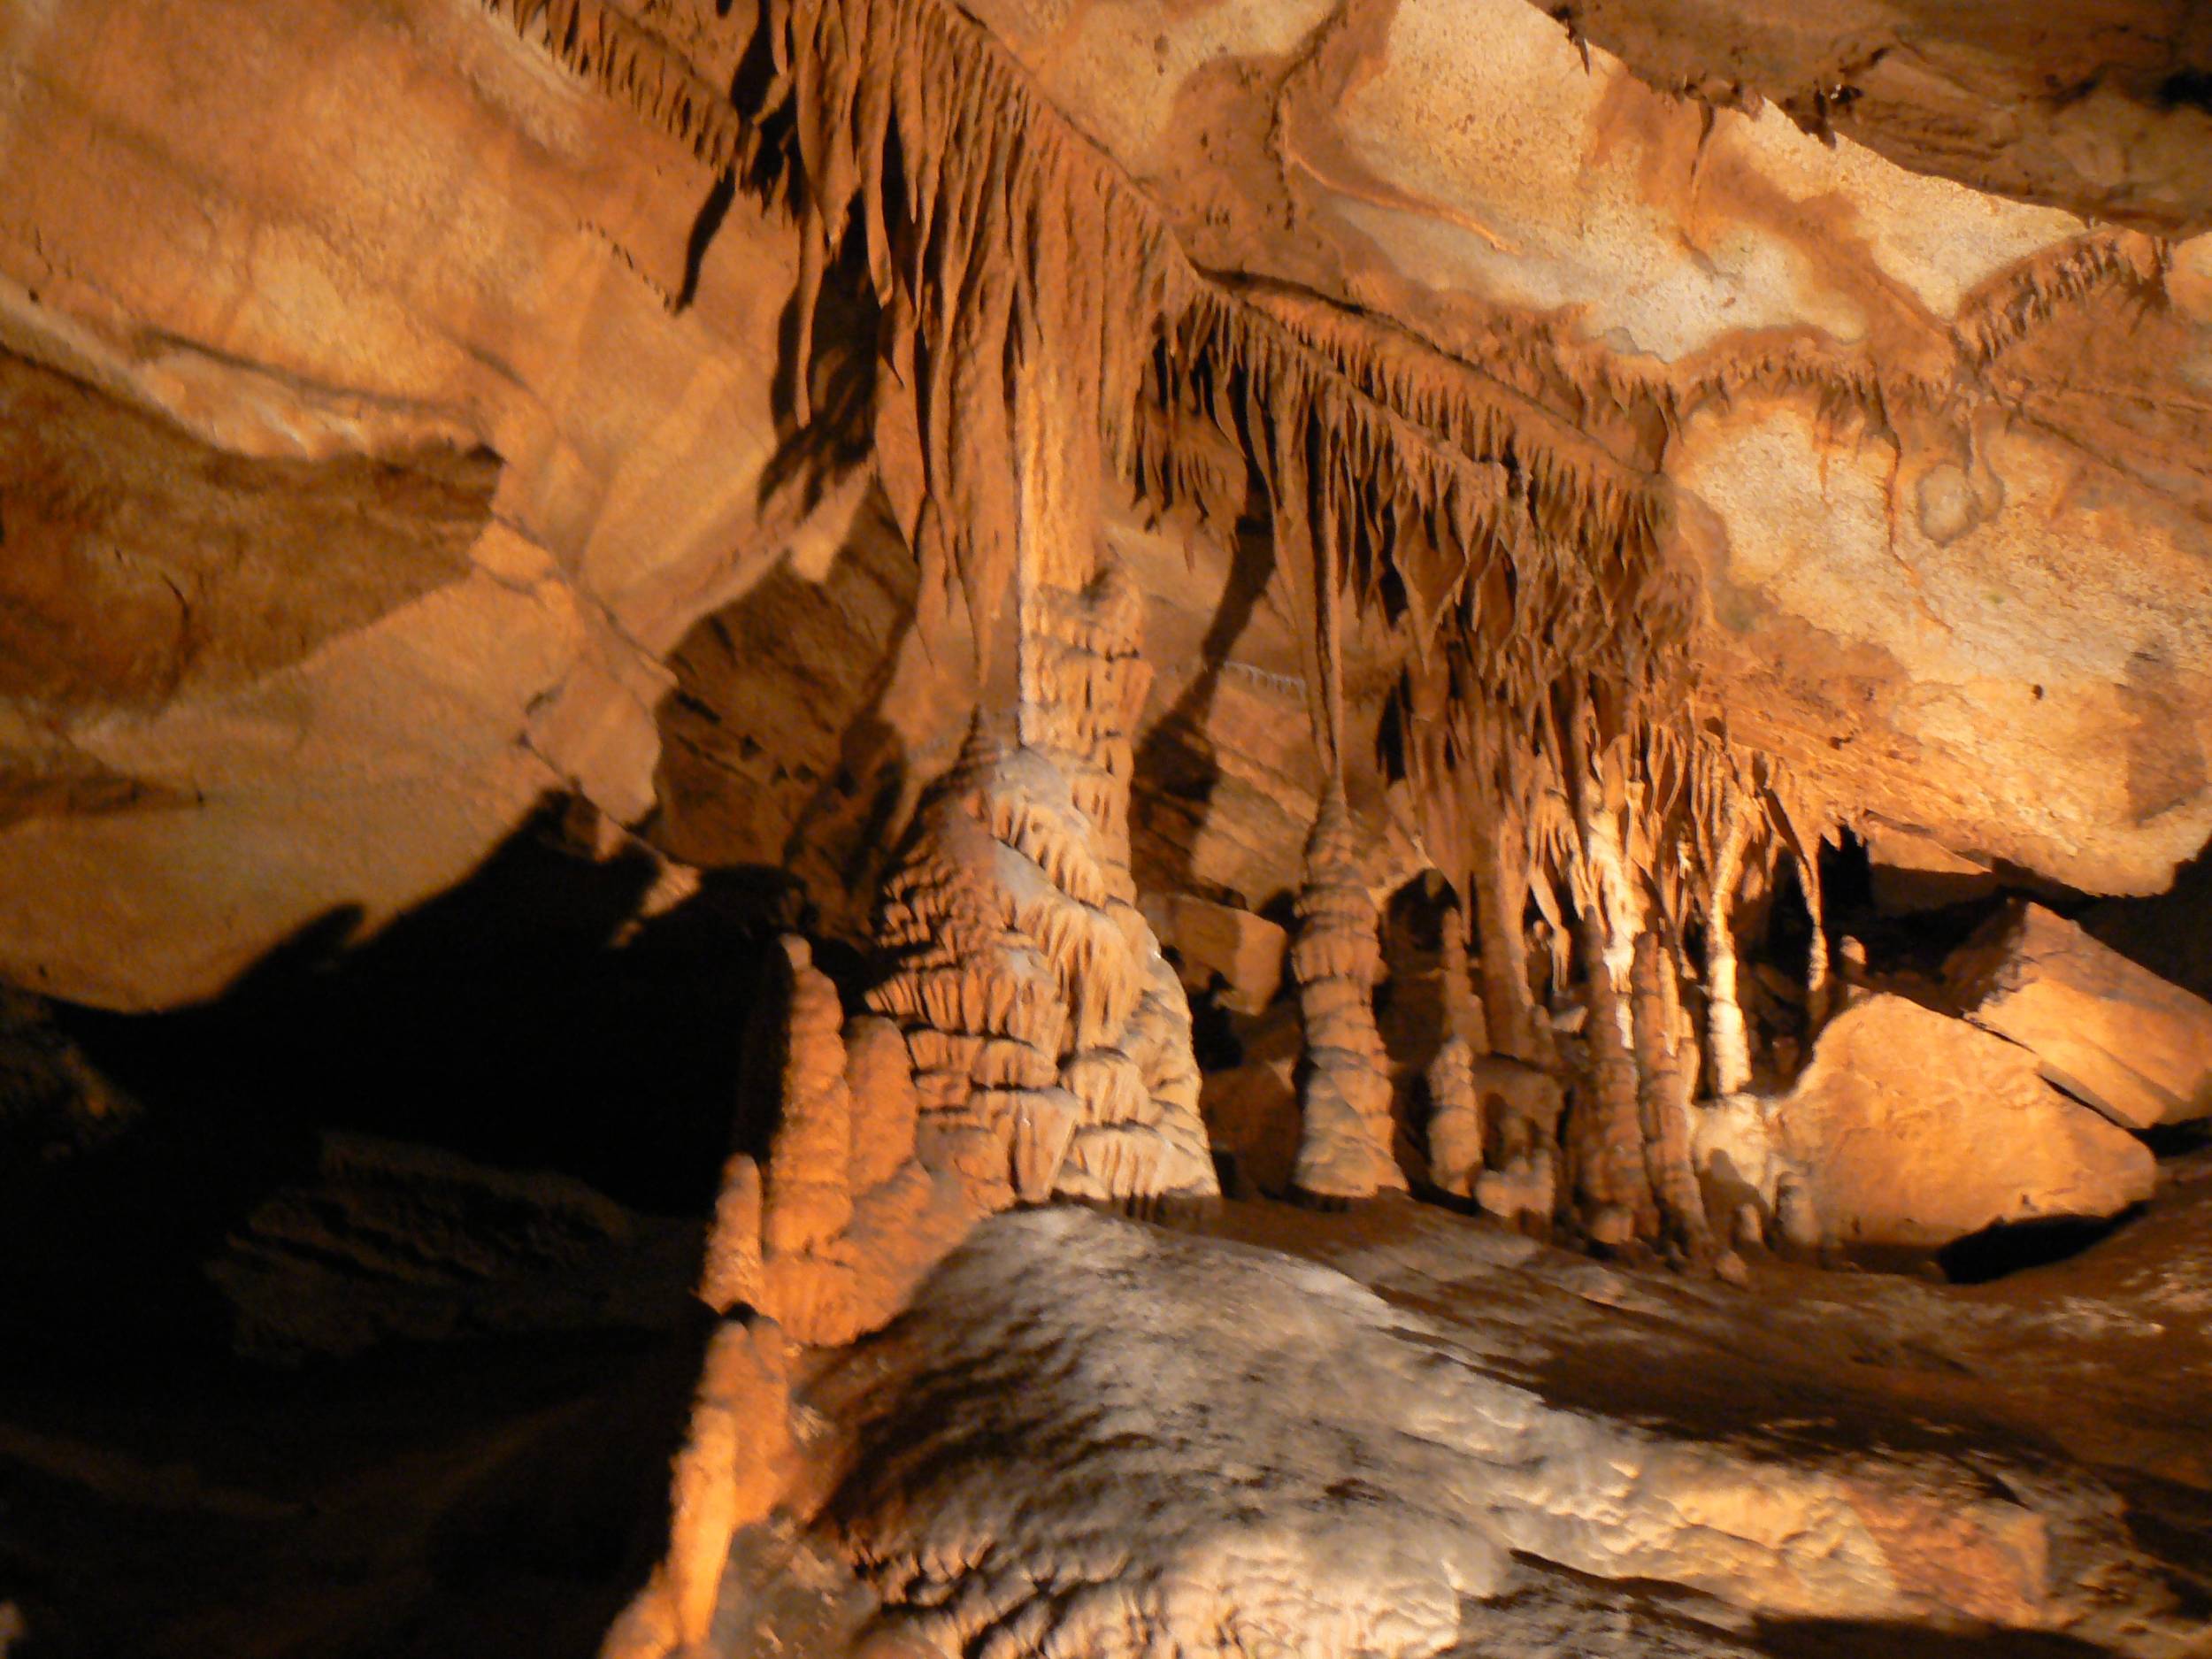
(1042, 1466)
(1911, 872)
(1344, 1093)
(2106, 1031)
(1912, 1128)
(1244, 949)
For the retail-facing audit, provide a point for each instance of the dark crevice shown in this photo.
(711, 213)
(2009, 1247)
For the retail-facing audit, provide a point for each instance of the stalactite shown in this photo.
(636, 67)
(1344, 1148)
(1015, 242)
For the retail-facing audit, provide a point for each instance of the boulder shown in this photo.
(1912, 872)
(1244, 949)
(1912, 1128)
(2106, 1031)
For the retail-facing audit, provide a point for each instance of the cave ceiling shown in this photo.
(477, 325)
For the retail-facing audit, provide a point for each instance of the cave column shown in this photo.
(1665, 1098)
(1344, 1091)
(1606, 1130)
(1727, 1040)
(1500, 901)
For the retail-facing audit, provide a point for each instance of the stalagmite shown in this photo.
(1456, 1131)
(831, 1237)
(807, 1189)
(1085, 684)
(988, 923)
(730, 1276)
(735, 1465)
(1605, 1140)
(1456, 1128)
(1344, 1148)
(1052, 1041)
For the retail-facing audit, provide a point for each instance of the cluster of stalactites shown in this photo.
(999, 242)
(1344, 1088)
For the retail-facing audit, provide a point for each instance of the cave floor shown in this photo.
(503, 1495)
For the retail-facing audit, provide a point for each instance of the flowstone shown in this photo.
(1090, 1437)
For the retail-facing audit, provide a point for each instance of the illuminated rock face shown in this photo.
(1039, 1467)
(1956, 587)
(1910, 1128)
(2106, 1032)
(1000, 472)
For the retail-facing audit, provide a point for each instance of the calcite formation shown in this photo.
(1344, 1097)
(1456, 1129)
(945, 486)
(1296, 1523)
